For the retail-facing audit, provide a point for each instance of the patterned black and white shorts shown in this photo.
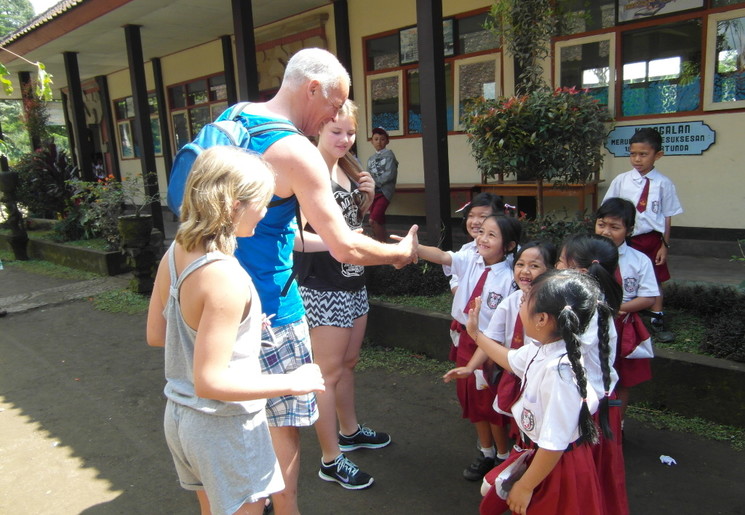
(334, 308)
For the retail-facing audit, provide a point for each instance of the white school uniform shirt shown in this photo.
(637, 274)
(548, 409)
(501, 327)
(469, 267)
(662, 200)
(591, 356)
(448, 270)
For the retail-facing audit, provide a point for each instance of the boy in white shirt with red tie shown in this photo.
(656, 203)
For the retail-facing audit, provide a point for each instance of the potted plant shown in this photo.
(113, 210)
(552, 136)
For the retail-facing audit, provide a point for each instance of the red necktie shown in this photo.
(641, 206)
(477, 289)
(617, 275)
(517, 335)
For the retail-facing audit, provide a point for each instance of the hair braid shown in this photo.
(605, 312)
(569, 327)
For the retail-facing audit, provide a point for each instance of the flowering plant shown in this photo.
(96, 206)
(545, 135)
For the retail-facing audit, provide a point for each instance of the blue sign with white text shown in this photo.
(678, 139)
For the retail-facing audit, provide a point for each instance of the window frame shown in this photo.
(710, 56)
(186, 109)
(612, 76)
(398, 73)
(457, 64)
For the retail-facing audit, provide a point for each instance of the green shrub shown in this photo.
(422, 278)
(42, 182)
(556, 226)
(723, 310)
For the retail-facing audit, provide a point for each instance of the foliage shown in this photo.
(526, 26)
(420, 278)
(556, 227)
(36, 117)
(723, 310)
(439, 303)
(96, 206)
(555, 136)
(42, 181)
(14, 14)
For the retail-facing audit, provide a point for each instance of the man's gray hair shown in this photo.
(315, 64)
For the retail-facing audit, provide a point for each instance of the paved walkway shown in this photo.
(81, 408)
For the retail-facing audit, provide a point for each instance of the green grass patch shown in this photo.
(439, 303)
(670, 421)
(46, 268)
(689, 329)
(121, 301)
(51, 235)
(400, 360)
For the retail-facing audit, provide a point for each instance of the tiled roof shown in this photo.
(39, 20)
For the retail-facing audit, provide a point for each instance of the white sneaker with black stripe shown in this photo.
(346, 473)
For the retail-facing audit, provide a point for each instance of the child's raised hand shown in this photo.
(472, 325)
(457, 373)
(307, 378)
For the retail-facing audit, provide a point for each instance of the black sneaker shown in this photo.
(364, 438)
(478, 469)
(346, 473)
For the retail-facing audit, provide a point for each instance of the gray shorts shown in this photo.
(284, 349)
(231, 458)
(334, 308)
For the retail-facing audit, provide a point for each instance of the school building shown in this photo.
(139, 78)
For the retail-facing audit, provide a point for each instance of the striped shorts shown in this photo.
(334, 308)
(284, 349)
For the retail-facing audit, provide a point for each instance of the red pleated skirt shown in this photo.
(609, 463)
(571, 488)
(476, 404)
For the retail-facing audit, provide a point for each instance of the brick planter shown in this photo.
(689, 384)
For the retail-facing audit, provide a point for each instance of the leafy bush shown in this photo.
(555, 135)
(42, 182)
(556, 227)
(723, 309)
(422, 278)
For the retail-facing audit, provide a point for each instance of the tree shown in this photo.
(14, 14)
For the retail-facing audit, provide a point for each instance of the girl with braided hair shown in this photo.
(554, 410)
(598, 257)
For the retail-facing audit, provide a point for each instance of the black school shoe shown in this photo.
(480, 466)
(346, 473)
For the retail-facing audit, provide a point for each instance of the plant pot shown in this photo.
(135, 230)
(8, 182)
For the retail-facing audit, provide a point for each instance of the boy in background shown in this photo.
(656, 203)
(383, 166)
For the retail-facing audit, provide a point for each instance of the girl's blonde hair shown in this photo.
(220, 176)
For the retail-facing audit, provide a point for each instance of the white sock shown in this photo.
(489, 452)
(503, 456)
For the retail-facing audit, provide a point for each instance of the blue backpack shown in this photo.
(226, 130)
